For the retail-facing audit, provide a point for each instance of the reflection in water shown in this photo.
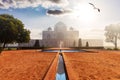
(61, 71)
(63, 51)
(60, 76)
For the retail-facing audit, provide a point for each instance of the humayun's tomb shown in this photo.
(61, 33)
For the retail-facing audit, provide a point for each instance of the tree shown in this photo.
(79, 43)
(36, 45)
(12, 30)
(87, 44)
(113, 34)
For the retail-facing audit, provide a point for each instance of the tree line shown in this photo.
(12, 30)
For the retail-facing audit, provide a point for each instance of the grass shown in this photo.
(10, 48)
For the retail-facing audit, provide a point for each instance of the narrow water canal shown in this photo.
(61, 74)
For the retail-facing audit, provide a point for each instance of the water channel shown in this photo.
(64, 51)
(61, 73)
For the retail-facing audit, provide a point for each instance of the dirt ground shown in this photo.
(24, 65)
(102, 65)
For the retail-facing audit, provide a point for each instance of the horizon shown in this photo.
(39, 15)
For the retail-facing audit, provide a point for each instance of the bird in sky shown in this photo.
(94, 7)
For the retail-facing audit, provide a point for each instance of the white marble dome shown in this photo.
(60, 26)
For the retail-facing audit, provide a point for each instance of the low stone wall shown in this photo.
(51, 73)
(70, 73)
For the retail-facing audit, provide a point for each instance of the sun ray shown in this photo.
(84, 12)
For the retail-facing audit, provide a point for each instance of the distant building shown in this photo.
(52, 38)
(61, 34)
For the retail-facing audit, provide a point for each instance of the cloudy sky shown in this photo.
(38, 15)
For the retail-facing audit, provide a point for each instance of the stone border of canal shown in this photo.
(57, 70)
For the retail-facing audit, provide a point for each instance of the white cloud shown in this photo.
(5, 4)
(59, 3)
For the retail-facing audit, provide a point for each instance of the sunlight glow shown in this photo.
(85, 12)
